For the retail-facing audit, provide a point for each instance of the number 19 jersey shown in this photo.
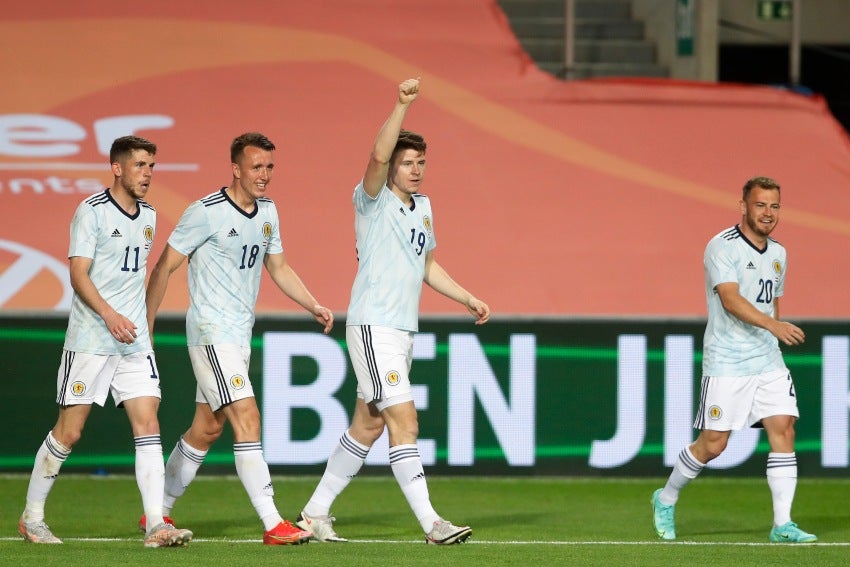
(392, 244)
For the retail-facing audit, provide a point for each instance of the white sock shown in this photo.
(150, 476)
(686, 469)
(782, 480)
(343, 465)
(48, 460)
(180, 471)
(410, 476)
(254, 474)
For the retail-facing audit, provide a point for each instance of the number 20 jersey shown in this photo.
(730, 346)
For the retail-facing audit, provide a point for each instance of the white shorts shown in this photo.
(381, 358)
(732, 403)
(222, 374)
(86, 379)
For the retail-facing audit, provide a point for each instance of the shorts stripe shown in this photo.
(700, 420)
(369, 351)
(221, 383)
(67, 361)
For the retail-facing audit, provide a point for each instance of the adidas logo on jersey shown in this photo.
(232, 233)
(750, 266)
(116, 234)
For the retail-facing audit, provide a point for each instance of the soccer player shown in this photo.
(228, 236)
(394, 227)
(107, 345)
(745, 382)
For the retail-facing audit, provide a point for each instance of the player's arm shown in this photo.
(289, 283)
(440, 281)
(379, 162)
(738, 306)
(120, 327)
(168, 262)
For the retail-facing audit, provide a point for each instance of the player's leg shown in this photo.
(725, 404)
(150, 473)
(253, 471)
(187, 457)
(82, 380)
(406, 464)
(343, 465)
(347, 457)
(48, 462)
(222, 375)
(689, 464)
(776, 408)
(781, 465)
(150, 469)
(782, 479)
(251, 467)
(409, 473)
(189, 453)
(135, 386)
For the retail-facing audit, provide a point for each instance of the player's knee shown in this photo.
(210, 434)
(715, 448)
(246, 427)
(68, 437)
(404, 432)
(366, 433)
(708, 447)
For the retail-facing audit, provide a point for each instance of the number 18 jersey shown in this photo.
(226, 247)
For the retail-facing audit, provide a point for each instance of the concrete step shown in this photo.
(589, 9)
(550, 27)
(608, 42)
(592, 51)
(593, 70)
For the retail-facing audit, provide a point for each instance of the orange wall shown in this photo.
(590, 197)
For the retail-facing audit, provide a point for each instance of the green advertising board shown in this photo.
(519, 397)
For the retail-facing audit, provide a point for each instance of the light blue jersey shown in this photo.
(392, 243)
(732, 347)
(226, 247)
(118, 245)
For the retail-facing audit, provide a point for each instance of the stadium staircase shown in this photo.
(609, 42)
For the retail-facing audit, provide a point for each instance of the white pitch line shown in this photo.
(480, 542)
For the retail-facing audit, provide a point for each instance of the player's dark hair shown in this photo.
(762, 182)
(408, 140)
(125, 145)
(253, 139)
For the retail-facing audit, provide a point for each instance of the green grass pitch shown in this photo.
(516, 521)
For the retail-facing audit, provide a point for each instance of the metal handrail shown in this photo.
(569, 37)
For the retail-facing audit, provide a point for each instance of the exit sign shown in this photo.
(773, 9)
